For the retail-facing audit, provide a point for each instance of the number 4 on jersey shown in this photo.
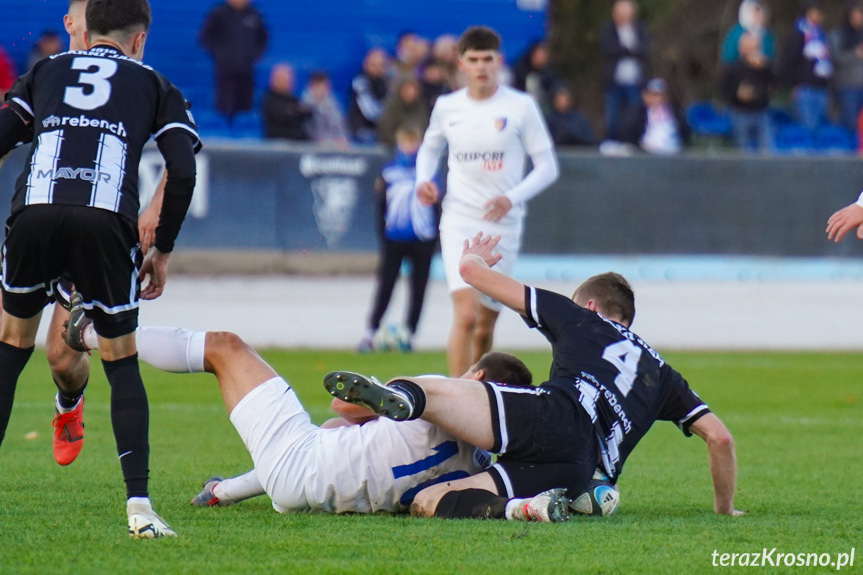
(623, 355)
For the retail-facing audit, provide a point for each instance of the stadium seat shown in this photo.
(834, 140)
(706, 120)
(779, 117)
(247, 125)
(793, 139)
(211, 123)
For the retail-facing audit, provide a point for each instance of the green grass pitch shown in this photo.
(797, 420)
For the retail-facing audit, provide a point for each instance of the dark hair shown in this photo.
(107, 16)
(479, 38)
(411, 129)
(318, 76)
(613, 296)
(501, 367)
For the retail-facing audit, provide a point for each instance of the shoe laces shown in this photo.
(61, 420)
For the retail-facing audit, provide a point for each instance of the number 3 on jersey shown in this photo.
(99, 88)
(623, 355)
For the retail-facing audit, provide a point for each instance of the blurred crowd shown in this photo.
(818, 71)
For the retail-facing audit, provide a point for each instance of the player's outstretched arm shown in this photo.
(723, 461)
(845, 220)
(475, 266)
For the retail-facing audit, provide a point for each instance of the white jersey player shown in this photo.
(490, 131)
(376, 466)
(357, 463)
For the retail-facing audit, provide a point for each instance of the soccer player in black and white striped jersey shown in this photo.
(605, 390)
(75, 210)
(70, 368)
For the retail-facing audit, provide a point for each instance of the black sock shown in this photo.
(471, 504)
(414, 392)
(130, 418)
(12, 362)
(68, 399)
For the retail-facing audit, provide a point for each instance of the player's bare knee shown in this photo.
(221, 345)
(465, 320)
(426, 501)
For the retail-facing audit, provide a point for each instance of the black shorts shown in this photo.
(543, 441)
(94, 249)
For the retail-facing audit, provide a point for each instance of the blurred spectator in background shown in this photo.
(807, 67)
(235, 36)
(411, 51)
(625, 47)
(433, 83)
(368, 95)
(846, 43)
(746, 86)
(8, 73)
(752, 19)
(407, 230)
(48, 44)
(533, 74)
(567, 125)
(656, 125)
(405, 107)
(283, 115)
(445, 53)
(327, 124)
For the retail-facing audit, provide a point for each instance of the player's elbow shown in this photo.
(554, 171)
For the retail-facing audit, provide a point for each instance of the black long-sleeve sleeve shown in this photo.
(13, 129)
(177, 148)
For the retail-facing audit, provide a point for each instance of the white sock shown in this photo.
(515, 509)
(139, 501)
(236, 489)
(61, 409)
(172, 349)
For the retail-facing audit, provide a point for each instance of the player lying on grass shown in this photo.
(606, 388)
(502, 367)
(377, 466)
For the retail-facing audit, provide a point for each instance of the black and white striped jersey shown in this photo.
(620, 381)
(90, 114)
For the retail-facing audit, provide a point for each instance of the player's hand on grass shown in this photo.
(844, 221)
(154, 269)
(482, 246)
(427, 193)
(496, 208)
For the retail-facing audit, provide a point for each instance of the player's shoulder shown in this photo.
(516, 96)
(452, 100)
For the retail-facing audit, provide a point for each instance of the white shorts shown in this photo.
(453, 233)
(281, 439)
